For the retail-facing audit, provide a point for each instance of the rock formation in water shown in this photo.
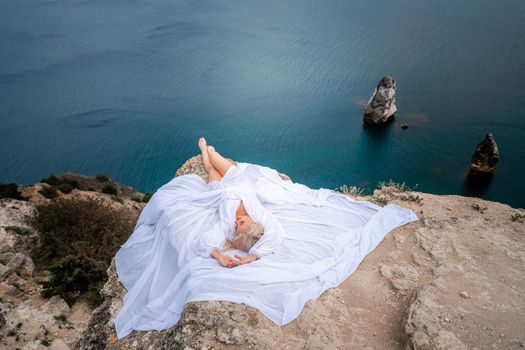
(382, 105)
(485, 158)
(454, 280)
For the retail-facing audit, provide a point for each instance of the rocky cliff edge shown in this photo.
(453, 280)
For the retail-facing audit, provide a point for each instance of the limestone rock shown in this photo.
(433, 261)
(402, 277)
(27, 321)
(443, 282)
(382, 105)
(485, 158)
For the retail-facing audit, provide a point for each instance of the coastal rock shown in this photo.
(382, 105)
(406, 293)
(485, 158)
(28, 321)
(446, 282)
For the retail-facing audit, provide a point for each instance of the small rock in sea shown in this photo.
(403, 125)
(382, 106)
(464, 295)
(485, 158)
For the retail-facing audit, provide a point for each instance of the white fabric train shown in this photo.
(314, 239)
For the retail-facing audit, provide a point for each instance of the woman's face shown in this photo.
(242, 224)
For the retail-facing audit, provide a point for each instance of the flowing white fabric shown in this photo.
(314, 239)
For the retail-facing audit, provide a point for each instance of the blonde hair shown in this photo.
(245, 240)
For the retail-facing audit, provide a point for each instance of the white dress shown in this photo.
(314, 239)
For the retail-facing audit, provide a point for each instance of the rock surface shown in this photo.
(485, 158)
(28, 321)
(453, 280)
(382, 105)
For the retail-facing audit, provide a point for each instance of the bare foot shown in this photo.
(204, 152)
(202, 144)
(210, 148)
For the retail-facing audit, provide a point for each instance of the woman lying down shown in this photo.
(245, 236)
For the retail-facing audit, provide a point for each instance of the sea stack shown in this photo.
(382, 105)
(484, 160)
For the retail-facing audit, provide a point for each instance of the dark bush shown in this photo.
(74, 276)
(136, 199)
(110, 189)
(49, 192)
(147, 197)
(91, 189)
(102, 178)
(11, 191)
(19, 230)
(55, 181)
(117, 199)
(72, 182)
(78, 239)
(51, 179)
(65, 188)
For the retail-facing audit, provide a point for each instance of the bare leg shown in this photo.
(205, 159)
(213, 174)
(218, 162)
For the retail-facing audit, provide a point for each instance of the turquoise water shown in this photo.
(126, 88)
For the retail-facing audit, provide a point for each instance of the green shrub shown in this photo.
(102, 178)
(117, 199)
(11, 191)
(398, 187)
(93, 297)
(381, 200)
(136, 199)
(73, 183)
(350, 190)
(19, 230)
(477, 207)
(411, 198)
(51, 179)
(110, 189)
(61, 318)
(74, 276)
(78, 239)
(147, 197)
(517, 217)
(56, 181)
(49, 192)
(65, 188)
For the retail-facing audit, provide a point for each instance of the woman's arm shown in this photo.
(273, 230)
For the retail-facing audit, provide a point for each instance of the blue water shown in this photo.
(126, 88)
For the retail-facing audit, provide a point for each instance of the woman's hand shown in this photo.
(226, 261)
(246, 259)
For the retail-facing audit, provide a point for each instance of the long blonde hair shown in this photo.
(245, 240)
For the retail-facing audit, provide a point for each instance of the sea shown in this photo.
(125, 88)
